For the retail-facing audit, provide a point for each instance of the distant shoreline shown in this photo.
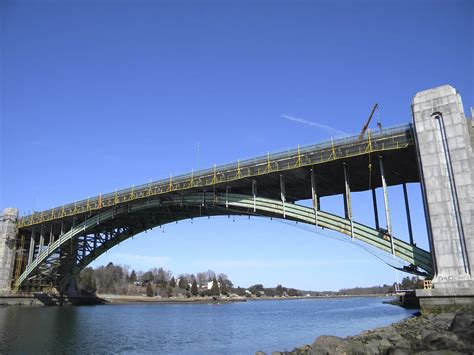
(126, 299)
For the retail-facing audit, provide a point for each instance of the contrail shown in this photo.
(327, 128)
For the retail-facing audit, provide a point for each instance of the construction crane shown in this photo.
(361, 135)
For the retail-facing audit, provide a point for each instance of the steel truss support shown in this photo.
(283, 194)
(347, 200)
(385, 200)
(407, 209)
(314, 196)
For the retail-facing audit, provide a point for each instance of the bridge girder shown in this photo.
(326, 159)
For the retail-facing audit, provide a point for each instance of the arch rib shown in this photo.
(222, 204)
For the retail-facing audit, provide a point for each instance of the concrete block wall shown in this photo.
(446, 165)
(8, 230)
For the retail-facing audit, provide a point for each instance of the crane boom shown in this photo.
(368, 121)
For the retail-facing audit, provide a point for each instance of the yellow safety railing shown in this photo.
(388, 139)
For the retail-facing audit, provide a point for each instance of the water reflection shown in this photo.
(37, 329)
(239, 328)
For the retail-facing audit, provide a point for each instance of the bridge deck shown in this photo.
(396, 145)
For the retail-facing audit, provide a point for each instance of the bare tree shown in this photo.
(201, 279)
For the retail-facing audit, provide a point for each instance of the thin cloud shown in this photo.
(36, 142)
(329, 129)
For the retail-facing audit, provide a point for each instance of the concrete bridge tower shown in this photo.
(8, 230)
(446, 165)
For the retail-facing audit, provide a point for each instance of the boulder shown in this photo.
(303, 350)
(328, 345)
(385, 344)
(358, 348)
(441, 340)
(463, 326)
(462, 322)
(395, 337)
(398, 351)
(440, 352)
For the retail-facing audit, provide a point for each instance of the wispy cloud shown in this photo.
(36, 142)
(329, 129)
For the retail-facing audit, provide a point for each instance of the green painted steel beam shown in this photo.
(238, 204)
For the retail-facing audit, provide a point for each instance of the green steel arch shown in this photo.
(63, 259)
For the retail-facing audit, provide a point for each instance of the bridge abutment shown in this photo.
(446, 165)
(8, 230)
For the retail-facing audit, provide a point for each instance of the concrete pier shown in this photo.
(8, 231)
(446, 165)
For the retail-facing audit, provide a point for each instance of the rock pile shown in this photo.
(446, 333)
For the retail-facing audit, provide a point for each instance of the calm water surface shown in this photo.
(236, 328)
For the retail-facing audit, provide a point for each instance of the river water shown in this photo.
(233, 328)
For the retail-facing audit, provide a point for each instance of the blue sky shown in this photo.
(99, 95)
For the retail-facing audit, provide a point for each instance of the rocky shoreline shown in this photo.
(445, 333)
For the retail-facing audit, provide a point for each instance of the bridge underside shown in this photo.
(363, 171)
(61, 256)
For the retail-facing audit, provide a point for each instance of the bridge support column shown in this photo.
(254, 194)
(283, 194)
(68, 254)
(446, 165)
(407, 209)
(376, 211)
(41, 242)
(385, 197)
(314, 196)
(32, 247)
(51, 236)
(8, 231)
(385, 202)
(347, 200)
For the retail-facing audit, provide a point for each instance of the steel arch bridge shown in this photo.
(64, 240)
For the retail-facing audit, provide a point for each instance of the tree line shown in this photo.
(118, 279)
(407, 283)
